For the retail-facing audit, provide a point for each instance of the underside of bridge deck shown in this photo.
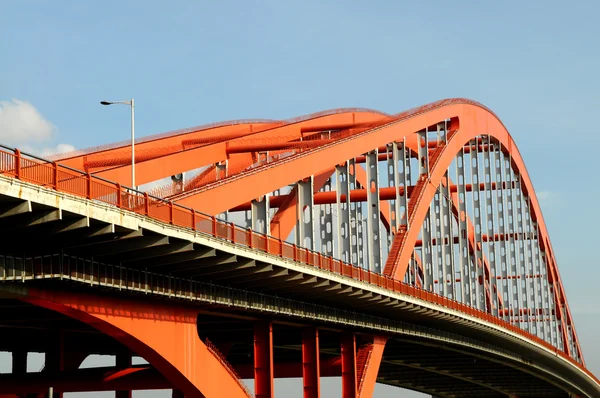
(409, 363)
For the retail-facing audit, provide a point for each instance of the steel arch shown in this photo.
(164, 335)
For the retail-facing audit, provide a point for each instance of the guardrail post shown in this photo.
(250, 245)
(193, 219)
(88, 187)
(18, 164)
(119, 196)
(55, 175)
(146, 203)
(171, 212)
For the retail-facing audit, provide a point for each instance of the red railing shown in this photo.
(65, 179)
(219, 355)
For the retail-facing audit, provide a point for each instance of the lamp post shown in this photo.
(131, 104)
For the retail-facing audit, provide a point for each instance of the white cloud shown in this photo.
(20, 122)
(23, 126)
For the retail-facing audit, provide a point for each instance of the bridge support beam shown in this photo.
(349, 385)
(165, 335)
(263, 360)
(368, 360)
(310, 363)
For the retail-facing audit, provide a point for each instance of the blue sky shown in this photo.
(187, 63)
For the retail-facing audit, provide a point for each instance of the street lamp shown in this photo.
(130, 103)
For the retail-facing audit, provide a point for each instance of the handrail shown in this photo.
(62, 179)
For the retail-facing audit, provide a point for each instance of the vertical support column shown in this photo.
(326, 227)
(354, 217)
(360, 228)
(522, 254)
(489, 222)
(392, 172)
(427, 255)
(310, 363)
(515, 303)
(305, 225)
(260, 214)
(360, 235)
(463, 233)
(533, 288)
(373, 227)
(544, 325)
(399, 221)
(448, 240)
(437, 234)
(502, 182)
(342, 181)
(123, 361)
(248, 218)
(402, 163)
(477, 243)
(349, 381)
(552, 315)
(263, 360)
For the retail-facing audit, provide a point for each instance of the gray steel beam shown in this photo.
(259, 210)
(354, 217)
(463, 233)
(478, 242)
(515, 299)
(488, 213)
(326, 224)
(522, 254)
(342, 180)
(373, 221)
(502, 179)
(305, 224)
(449, 273)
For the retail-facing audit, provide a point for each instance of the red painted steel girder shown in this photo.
(484, 238)
(171, 155)
(468, 120)
(356, 195)
(159, 332)
(276, 146)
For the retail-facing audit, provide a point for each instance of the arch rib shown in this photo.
(468, 119)
(166, 336)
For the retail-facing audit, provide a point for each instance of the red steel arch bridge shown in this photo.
(405, 249)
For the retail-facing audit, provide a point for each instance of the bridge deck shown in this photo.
(60, 241)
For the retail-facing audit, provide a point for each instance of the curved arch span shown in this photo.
(468, 118)
(165, 336)
(474, 121)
